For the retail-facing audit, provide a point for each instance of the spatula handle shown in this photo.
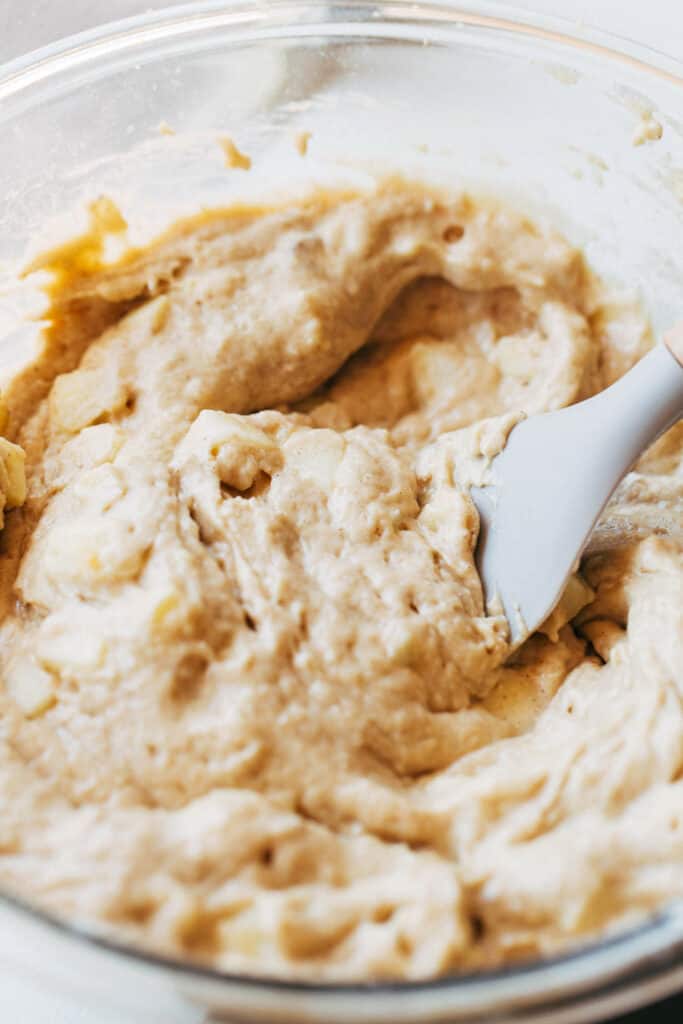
(642, 404)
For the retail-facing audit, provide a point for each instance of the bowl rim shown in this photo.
(256, 22)
(649, 960)
(243, 15)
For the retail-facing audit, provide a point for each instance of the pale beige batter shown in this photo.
(252, 711)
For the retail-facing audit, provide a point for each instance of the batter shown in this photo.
(252, 711)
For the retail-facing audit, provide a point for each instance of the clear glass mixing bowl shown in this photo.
(541, 112)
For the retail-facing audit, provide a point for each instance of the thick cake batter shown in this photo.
(252, 710)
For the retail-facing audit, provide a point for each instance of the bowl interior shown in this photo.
(481, 102)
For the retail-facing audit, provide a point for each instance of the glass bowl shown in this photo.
(539, 111)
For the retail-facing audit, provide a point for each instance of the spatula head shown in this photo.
(553, 479)
(534, 522)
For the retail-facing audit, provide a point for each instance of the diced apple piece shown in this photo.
(92, 553)
(57, 651)
(81, 398)
(30, 687)
(92, 447)
(101, 487)
(240, 449)
(577, 595)
(315, 455)
(605, 636)
(165, 604)
(12, 476)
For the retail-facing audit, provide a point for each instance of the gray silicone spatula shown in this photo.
(554, 477)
